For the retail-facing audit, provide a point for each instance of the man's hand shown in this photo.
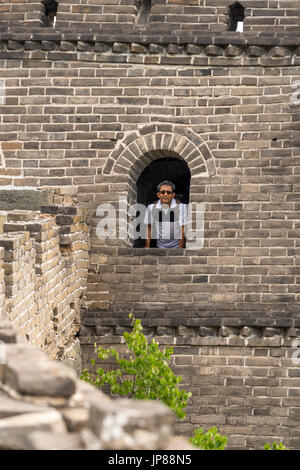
(182, 240)
(181, 243)
(148, 241)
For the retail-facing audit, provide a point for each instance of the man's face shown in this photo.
(166, 194)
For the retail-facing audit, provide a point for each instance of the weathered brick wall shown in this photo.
(44, 406)
(243, 379)
(92, 111)
(279, 15)
(186, 15)
(24, 12)
(162, 16)
(44, 263)
(98, 15)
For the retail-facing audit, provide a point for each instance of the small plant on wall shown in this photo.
(275, 446)
(211, 440)
(145, 375)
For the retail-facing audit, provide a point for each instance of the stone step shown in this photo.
(14, 431)
(9, 407)
(45, 440)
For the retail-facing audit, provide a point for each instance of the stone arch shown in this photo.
(138, 149)
(164, 165)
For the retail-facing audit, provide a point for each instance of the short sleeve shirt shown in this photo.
(166, 224)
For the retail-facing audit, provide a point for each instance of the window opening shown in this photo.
(165, 168)
(144, 11)
(236, 17)
(50, 12)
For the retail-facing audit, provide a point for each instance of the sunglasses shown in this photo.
(165, 192)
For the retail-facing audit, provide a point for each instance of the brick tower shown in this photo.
(97, 93)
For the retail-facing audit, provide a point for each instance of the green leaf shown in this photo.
(145, 375)
(211, 440)
(275, 446)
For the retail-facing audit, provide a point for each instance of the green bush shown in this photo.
(146, 375)
(275, 446)
(211, 440)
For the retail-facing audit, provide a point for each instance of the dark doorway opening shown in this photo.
(50, 12)
(165, 168)
(168, 168)
(236, 17)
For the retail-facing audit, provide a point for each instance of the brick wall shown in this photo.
(279, 15)
(21, 13)
(46, 407)
(91, 111)
(243, 378)
(164, 16)
(44, 266)
(99, 15)
(184, 16)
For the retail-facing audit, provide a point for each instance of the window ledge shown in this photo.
(130, 251)
(156, 251)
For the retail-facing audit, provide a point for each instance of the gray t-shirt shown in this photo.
(166, 223)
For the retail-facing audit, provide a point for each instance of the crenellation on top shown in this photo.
(154, 16)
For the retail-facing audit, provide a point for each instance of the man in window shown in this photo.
(166, 219)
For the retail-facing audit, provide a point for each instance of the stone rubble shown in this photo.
(45, 406)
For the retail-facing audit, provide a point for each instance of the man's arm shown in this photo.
(148, 236)
(183, 223)
(182, 240)
(147, 221)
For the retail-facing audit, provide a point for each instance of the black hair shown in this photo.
(166, 183)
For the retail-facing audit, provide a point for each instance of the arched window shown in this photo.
(144, 11)
(146, 158)
(165, 168)
(236, 17)
(169, 167)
